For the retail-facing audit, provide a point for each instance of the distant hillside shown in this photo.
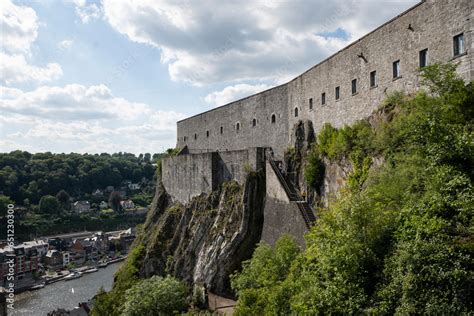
(26, 177)
(45, 187)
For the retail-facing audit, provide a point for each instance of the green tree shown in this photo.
(49, 205)
(260, 285)
(156, 296)
(114, 201)
(314, 169)
(147, 157)
(63, 198)
(4, 202)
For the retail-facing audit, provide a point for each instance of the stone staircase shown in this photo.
(305, 209)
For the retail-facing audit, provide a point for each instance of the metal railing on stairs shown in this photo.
(303, 206)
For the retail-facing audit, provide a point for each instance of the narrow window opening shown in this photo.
(296, 112)
(310, 103)
(423, 58)
(273, 118)
(354, 86)
(207, 133)
(373, 79)
(323, 98)
(222, 130)
(237, 126)
(338, 93)
(254, 122)
(459, 45)
(195, 136)
(396, 69)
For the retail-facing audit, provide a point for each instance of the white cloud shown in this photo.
(215, 41)
(80, 118)
(87, 11)
(19, 30)
(232, 93)
(65, 44)
(19, 27)
(15, 69)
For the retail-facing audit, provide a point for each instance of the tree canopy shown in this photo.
(30, 176)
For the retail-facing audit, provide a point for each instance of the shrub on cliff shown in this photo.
(111, 303)
(156, 296)
(403, 242)
(260, 284)
(314, 169)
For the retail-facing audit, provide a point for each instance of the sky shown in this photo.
(112, 75)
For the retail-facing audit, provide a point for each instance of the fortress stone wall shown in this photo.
(232, 127)
(189, 175)
(218, 145)
(430, 25)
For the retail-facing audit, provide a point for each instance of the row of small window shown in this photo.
(373, 80)
(458, 49)
(237, 127)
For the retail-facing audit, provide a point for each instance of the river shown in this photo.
(62, 295)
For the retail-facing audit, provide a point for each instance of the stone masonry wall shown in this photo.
(280, 215)
(430, 25)
(186, 176)
(260, 107)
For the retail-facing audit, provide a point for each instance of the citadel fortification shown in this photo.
(218, 145)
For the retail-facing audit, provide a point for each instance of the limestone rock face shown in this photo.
(205, 240)
(335, 178)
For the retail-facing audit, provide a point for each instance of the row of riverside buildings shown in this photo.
(33, 258)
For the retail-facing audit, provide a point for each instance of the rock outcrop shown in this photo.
(206, 240)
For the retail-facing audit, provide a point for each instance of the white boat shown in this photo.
(37, 286)
(72, 276)
(94, 269)
(103, 264)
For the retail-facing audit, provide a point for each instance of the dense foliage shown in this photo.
(26, 177)
(400, 238)
(43, 186)
(156, 296)
(111, 303)
(261, 286)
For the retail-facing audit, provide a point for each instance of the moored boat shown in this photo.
(37, 286)
(103, 264)
(72, 276)
(94, 269)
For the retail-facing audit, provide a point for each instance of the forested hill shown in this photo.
(26, 177)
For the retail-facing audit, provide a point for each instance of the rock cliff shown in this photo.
(205, 240)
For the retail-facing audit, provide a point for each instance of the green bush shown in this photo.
(260, 282)
(112, 303)
(314, 169)
(156, 296)
(4, 202)
(49, 205)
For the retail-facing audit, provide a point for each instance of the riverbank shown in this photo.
(65, 295)
(67, 274)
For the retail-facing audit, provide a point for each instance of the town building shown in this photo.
(103, 205)
(26, 264)
(134, 186)
(53, 259)
(127, 204)
(66, 258)
(81, 206)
